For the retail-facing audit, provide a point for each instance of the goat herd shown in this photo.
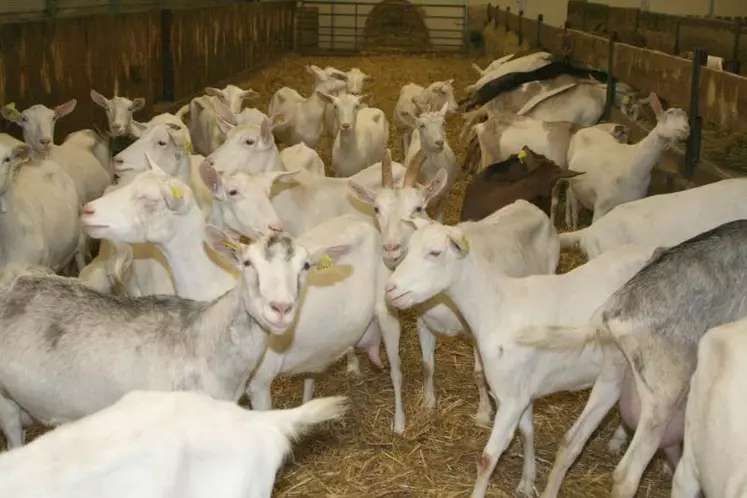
(157, 312)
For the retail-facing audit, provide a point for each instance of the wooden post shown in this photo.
(540, 19)
(611, 82)
(167, 61)
(692, 151)
(521, 28)
(737, 33)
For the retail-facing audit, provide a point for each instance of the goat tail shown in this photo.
(295, 422)
(559, 337)
(570, 239)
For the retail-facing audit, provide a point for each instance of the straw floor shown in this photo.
(436, 456)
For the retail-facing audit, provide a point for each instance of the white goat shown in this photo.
(458, 261)
(493, 65)
(526, 63)
(82, 155)
(252, 148)
(658, 220)
(203, 118)
(303, 117)
(362, 134)
(413, 98)
(503, 136)
(355, 80)
(616, 173)
(39, 211)
(156, 444)
(178, 228)
(119, 111)
(429, 136)
(715, 443)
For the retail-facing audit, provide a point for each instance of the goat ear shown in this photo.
(436, 184)
(361, 193)
(323, 257)
(211, 178)
(214, 92)
(569, 173)
(283, 176)
(656, 104)
(621, 134)
(66, 108)
(21, 152)
(152, 165)
(224, 244)
(137, 104)
(444, 109)
(99, 99)
(225, 125)
(368, 79)
(419, 223)
(280, 121)
(223, 111)
(249, 95)
(459, 242)
(10, 113)
(266, 131)
(174, 195)
(325, 97)
(137, 129)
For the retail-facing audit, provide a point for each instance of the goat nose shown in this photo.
(390, 287)
(345, 126)
(88, 209)
(45, 141)
(440, 143)
(281, 308)
(118, 161)
(392, 247)
(276, 226)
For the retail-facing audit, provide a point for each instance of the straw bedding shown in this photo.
(437, 454)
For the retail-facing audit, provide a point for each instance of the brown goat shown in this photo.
(527, 175)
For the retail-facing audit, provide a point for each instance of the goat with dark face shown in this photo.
(526, 175)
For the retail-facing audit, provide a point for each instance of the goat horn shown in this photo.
(413, 169)
(387, 180)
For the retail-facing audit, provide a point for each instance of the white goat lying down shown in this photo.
(163, 445)
(177, 227)
(616, 173)
(715, 446)
(525, 63)
(203, 117)
(119, 111)
(362, 134)
(414, 99)
(458, 261)
(82, 155)
(39, 211)
(252, 148)
(303, 117)
(658, 219)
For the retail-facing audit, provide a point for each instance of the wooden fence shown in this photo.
(663, 32)
(714, 96)
(164, 55)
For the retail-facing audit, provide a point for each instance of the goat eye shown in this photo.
(376, 210)
(24, 118)
(419, 209)
(422, 126)
(435, 254)
(306, 266)
(249, 142)
(247, 263)
(6, 160)
(233, 191)
(162, 143)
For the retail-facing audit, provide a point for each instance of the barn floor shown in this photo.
(437, 454)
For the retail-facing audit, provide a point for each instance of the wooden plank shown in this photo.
(666, 75)
(552, 38)
(723, 99)
(588, 49)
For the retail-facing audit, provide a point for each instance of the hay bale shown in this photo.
(396, 24)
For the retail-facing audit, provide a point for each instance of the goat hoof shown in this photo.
(526, 490)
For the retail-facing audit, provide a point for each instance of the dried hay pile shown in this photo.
(499, 41)
(436, 456)
(396, 24)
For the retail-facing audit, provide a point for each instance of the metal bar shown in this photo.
(355, 38)
(333, 25)
(611, 82)
(540, 19)
(692, 151)
(51, 8)
(167, 61)
(508, 11)
(737, 33)
(373, 4)
(114, 6)
(676, 48)
(339, 15)
(521, 28)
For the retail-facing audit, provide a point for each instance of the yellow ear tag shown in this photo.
(244, 239)
(626, 100)
(522, 155)
(187, 146)
(465, 243)
(229, 245)
(176, 192)
(14, 114)
(324, 263)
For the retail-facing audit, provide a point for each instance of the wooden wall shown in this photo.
(162, 55)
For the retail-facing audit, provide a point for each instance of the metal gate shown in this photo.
(330, 26)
